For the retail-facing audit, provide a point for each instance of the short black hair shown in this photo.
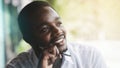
(23, 17)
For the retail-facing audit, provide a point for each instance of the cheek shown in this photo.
(45, 38)
(64, 31)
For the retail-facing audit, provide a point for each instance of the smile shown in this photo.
(59, 39)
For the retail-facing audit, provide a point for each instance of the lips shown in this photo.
(59, 39)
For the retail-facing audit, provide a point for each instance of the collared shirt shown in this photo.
(77, 56)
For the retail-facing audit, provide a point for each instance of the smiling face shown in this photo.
(48, 30)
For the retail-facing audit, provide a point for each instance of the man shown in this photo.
(42, 29)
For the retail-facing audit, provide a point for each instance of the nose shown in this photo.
(57, 31)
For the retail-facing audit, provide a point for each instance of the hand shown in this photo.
(49, 56)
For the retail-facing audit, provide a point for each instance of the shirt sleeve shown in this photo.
(9, 66)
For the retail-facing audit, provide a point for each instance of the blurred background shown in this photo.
(90, 22)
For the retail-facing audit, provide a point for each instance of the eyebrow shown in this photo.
(45, 23)
(57, 18)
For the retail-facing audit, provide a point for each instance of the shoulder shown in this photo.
(19, 59)
(84, 50)
(81, 47)
(88, 55)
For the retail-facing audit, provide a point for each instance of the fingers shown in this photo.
(51, 54)
(57, 52)
(51, 59)
(53, 50)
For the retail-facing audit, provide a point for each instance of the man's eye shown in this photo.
(44, 30)
(59, 24)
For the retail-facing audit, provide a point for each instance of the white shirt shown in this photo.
(77, 56)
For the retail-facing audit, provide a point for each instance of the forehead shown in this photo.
(46, 14)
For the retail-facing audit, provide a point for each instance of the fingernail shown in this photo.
(60, 56)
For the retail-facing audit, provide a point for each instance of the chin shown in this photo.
(62, 48)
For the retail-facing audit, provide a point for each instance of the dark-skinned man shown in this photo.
(42, 28)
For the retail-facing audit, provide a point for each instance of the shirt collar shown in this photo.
(67, 56)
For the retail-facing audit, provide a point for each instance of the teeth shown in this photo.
(58, 41)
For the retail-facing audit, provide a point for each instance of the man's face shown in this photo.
(48, 30)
